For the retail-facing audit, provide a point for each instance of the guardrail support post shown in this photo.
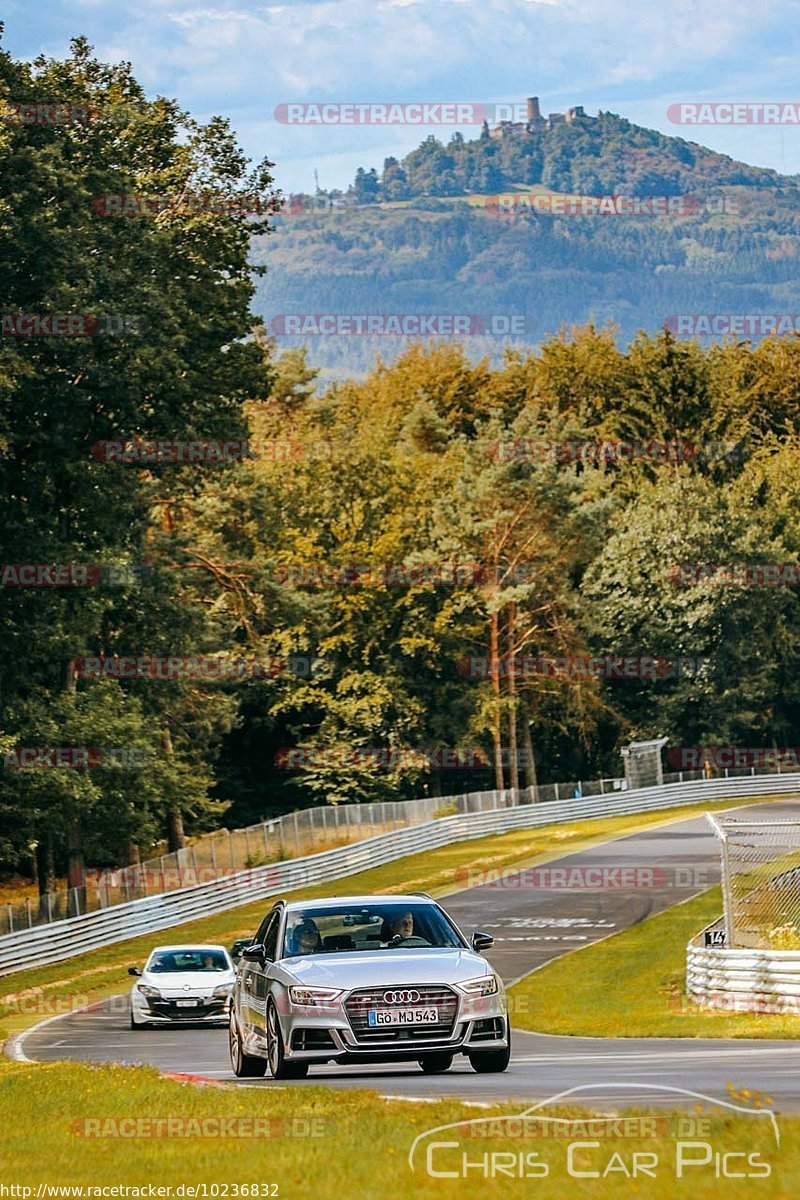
(10, 915)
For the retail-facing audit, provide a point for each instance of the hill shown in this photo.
(427, 236)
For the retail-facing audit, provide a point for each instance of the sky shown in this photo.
(242, 59)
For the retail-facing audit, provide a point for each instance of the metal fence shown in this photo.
(76, 935)
(293, 835)
(760, 882)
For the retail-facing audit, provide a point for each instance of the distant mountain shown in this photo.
(429, 235)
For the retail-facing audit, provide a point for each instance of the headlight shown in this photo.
(150, 992)
(223, 991)
(484, 985)
(308, 996)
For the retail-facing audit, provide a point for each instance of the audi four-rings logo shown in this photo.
(405, 996)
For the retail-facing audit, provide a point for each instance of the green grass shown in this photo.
(359, 1143)
(632, 985)
(39, 992)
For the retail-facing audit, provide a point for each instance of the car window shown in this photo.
(386, 927)
(167, 961)
(271, 937)
(258, 940)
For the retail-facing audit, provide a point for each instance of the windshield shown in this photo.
(163, 961)
(386, 927)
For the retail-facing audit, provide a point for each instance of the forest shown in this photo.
(231, 588)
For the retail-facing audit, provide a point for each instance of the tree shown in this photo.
(162, 300)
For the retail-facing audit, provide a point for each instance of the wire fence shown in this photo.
(292, 835)
(760, 882)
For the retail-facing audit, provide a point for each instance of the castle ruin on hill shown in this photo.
(535, 122)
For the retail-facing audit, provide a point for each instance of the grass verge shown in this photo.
(632, 985)
(71, 1124)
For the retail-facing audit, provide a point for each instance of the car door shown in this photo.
(249, 986)
(261, 975)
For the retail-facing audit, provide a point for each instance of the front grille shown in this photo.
(359, 1003)
(168, 1008)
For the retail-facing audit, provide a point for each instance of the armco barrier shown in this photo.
(743, 980)
(65, 939)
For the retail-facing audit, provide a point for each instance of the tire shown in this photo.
(489, 1062)
(244, 1066)
(137, 1025)
(436, 1064)
(276, 1053)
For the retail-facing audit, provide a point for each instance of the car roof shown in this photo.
(188, 946)
(338, 901)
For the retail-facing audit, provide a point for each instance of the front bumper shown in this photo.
(479, 1023)
(166, 1012)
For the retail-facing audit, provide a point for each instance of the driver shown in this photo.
(400, 925)
(306, 938)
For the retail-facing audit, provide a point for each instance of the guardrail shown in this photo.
(742, 980)
(70, 937)
(291, 835)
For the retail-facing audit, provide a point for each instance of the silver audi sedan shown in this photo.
(365, 979)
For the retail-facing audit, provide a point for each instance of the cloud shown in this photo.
(243, 57)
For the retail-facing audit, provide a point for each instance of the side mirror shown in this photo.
(254, 953)
(134, 971)
(482, 941)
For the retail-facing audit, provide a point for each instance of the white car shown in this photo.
(181, 984)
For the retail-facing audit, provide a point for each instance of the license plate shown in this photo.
(402, 1016)
(186, 1003)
